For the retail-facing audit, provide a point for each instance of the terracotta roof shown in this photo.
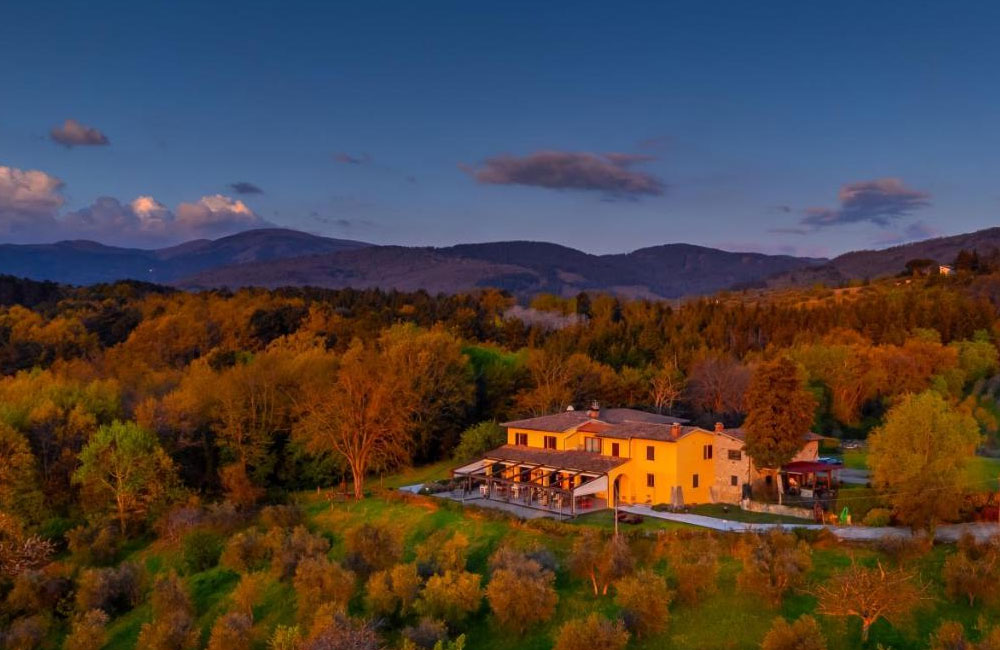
(741, 435)
(594, 426)
(566, 420)
(813, 467)
(584, 461)
(648, 431)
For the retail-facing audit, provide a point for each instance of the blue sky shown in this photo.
(810, 128)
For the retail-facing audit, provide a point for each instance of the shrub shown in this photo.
(25, 633)
(393, 590)
(37, 591)
(88, 631)
(441, 552)
(288, 549)
(231, 631)
(372, 547)
(451, 596)
(520, 591)
(973, 571)
(113, 590)
(285, 637)
(200, 550)
(592, 632)
(247, 593)
(93, 545)
(245, 552)
(173, 625)
(427, 633)
(335, 631)
(645, 601)
(694, 559)
(318, 581)
(774, 563)
(878, 517)
(803, 634)
(281, 516)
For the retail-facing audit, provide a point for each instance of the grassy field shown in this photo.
(726, 619)
(981, 473)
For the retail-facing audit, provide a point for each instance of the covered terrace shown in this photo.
(563, 482)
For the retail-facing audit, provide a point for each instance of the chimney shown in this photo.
(595, 410)
(675, 430)
(719, 428)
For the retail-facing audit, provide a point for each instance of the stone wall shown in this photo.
(775, 509)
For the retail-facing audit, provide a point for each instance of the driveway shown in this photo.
(947, 533)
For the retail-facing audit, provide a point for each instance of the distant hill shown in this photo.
(87, 262)
(522, 267)
(871, 264)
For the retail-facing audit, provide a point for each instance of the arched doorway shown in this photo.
(621, 490)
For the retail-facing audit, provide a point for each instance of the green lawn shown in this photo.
(980, 472)
(734, 513)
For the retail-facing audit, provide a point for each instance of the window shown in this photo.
(694, 481)
(521, 439)
(733, 480)
(650, 480)
(592, 444)
(735, 454)
(550, 442)
(650, 453)
(706, 452)
(614, 449)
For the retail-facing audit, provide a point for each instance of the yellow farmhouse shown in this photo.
(576, 461)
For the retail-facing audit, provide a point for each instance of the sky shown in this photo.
(803, 128)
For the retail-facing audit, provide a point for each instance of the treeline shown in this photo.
(254, 393)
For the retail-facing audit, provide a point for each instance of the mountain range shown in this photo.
(277, 257)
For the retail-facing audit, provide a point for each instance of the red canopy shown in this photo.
(811, 467)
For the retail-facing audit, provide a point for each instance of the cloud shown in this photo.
(563, 170)
(243, 187)
(74, 134)
(30, 204)
(913, 232)
(215, 216)
(880, 202)
(27, 198)
(350, 159)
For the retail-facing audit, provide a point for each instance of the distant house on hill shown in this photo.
(944, 269)
(576, 461)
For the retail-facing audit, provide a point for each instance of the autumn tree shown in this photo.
(123, 465)
(601, 562)
(231, 631)
(779, 413)
(318, 581)
(247, 593)
(451, 596)
(645, 601)
(362, 417)
(173, 626)
(666, 385)
(19, 485)
(774, 563)
(521, 592)
(440, 382)
(479, 439)
(716, 384)
(694, 561)
(973, 571)
(393, 590)
(442, 551)
(802, 634)
(372, 547)
(595, 631)
(88, 631)
(919, 451)
(870, 594)
(950, 635)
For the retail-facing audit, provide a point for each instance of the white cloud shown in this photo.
(29, 213)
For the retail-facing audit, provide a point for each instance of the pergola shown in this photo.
(812, 474)
(536, 478)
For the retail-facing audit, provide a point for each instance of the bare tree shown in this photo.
(716, 384)
(870, 593)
